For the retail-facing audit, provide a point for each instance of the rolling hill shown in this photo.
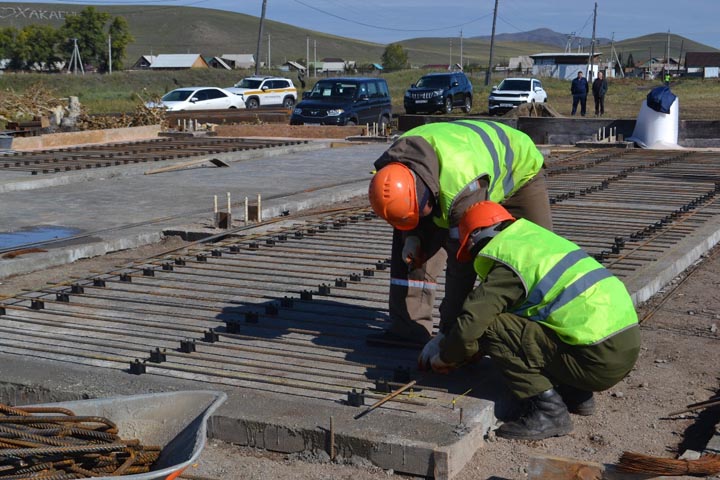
(170, 29)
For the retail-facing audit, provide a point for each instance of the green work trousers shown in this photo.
(412, 293)
(533, 359)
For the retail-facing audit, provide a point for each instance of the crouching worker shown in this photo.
(556, 323)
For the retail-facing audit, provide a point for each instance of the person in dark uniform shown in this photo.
(579, 90)
(599, 89)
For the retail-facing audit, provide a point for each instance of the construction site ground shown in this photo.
(678, 365)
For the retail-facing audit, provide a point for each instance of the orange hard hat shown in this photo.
(478, 216)
(393, 196)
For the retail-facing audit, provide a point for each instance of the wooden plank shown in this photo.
(546, 467)
(215, 161)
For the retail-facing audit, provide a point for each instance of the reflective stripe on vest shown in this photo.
(508, 181)
(566, 290)
(468, 150)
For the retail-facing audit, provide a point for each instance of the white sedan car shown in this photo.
(200, 98)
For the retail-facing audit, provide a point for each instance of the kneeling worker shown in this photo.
(556, 323)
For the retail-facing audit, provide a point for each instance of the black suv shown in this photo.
(439, 91)
(345, 101)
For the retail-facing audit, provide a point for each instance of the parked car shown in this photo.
(513, 91)
(439, 92)
(266, 91)
(345, 101)
(199, 98)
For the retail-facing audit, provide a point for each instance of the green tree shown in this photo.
(88, 27)
(36, 47)
(120, 38)
(394, 57)
(7, 41)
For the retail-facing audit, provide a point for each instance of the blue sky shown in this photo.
(386, 21)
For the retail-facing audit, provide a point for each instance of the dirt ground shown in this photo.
(679, 365)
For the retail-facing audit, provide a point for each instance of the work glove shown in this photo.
(438, 366)
(412, 253)
(430, 350)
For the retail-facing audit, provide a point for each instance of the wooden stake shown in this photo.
(332, 439)
(385, 399)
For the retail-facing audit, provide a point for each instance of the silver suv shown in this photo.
(514, 91)
(262, 91)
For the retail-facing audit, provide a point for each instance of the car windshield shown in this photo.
(248, 83)
(514, 85)
(177, 95)
(333, 89)
(433, 82)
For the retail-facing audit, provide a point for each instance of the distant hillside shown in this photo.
(171, 29)
(544, 36)
(655, 45)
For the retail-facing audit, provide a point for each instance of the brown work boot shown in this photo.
(546, 416)
(579, 402)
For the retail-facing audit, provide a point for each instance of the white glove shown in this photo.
(412, 252)
(430, 350)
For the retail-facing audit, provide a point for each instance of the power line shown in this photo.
(511, 25)
(391, 28)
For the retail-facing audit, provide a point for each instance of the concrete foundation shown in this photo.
(291, 316)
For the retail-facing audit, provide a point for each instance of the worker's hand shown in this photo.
(431, 349)
(438, 366)
(412, 253)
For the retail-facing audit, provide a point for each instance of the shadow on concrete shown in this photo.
(342, 326)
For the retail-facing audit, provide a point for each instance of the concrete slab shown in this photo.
(84, 346)
(131, 209)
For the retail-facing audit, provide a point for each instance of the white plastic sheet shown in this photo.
(656, 130)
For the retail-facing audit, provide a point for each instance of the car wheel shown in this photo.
(252, 103)
(288, 102)
(448, 106)
(350, 123)
(410, 111)
(468, 104)
(233, 108)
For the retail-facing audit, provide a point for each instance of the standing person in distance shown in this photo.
(579, 90)
(599, 89)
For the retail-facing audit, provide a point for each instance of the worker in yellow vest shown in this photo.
(424, 182)
(556, 323)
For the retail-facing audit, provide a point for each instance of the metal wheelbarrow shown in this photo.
(175, 421)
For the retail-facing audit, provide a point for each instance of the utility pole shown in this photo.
(450, 64)
(75, 60)
(592, 45)
(315, 58)
(667, 54)
(682, 44)
(307, 55)
(109, 53)
(614, 55)
(461, 48)
(269, 58)
(259, 40)
(492, 46)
